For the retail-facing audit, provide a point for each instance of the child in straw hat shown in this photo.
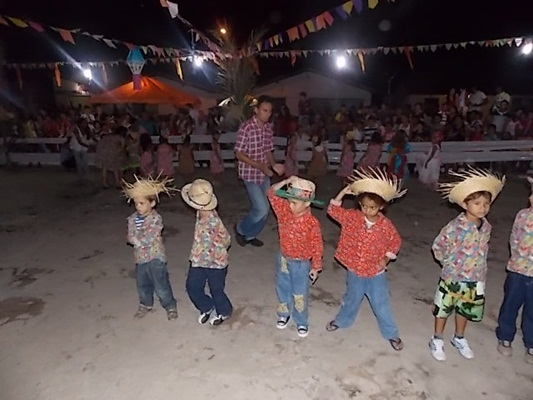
(461, 248)
(300, 258)
(367, 243)
(518, 287)
(144, 233)
(209, 255)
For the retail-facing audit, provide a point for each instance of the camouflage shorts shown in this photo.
(462, 297)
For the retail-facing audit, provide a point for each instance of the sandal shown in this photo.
(332, 326)
(396, 344)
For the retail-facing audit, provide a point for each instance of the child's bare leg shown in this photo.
(440, 324)
(460, 325)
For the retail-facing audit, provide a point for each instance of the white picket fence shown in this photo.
(30, 151)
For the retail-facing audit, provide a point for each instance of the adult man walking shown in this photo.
(256, 164)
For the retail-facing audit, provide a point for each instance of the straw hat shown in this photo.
(199, 195)
(374, 180)
(470, 181)
(300, 189)
(146, 187)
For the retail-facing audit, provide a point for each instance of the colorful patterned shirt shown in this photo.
(362, 248)
(521, 242)
(146, 239)
(255, 141)
(300, 237)
(211, 242)
(462, 248)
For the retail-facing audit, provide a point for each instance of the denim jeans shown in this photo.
(216, 280)
(376, 289)
(82, 163)
(518, 291)
(292, 288)
(252, 225)
(153, 277)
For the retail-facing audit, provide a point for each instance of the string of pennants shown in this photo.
(407, 50)
(68, 36)
(322, 21)
(292, 54)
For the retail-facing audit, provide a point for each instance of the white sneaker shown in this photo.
(463, 347)
(204, 317)
(437, 349)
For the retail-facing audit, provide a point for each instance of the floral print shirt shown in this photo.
(300, 237)
(361, 249)
(211, 242)
(462, 248)
(521, 242)
(146, 239)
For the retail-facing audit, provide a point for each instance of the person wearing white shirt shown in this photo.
(79, 144)
(476, 100)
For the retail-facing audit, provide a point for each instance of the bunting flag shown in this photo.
(319, 22)
(68, 36)
(178, 68)
(361, 58)
(57, 75)
(407, 50)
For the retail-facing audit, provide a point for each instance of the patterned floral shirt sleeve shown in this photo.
(337, 212)
(317, 246)
(521, 243)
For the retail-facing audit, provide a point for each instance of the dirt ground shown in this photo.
(67, 297)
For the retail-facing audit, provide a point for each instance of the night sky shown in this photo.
(412, 22)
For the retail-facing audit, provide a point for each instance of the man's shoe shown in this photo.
(436, 346)
(241, 240)
(256, 242)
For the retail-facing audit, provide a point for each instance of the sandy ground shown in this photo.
(68, 295)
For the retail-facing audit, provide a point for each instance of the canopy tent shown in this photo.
(152, 91)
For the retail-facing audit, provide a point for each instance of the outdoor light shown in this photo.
(87, 73)
(341, 62)
(527, 48)
(223, 31)
(198, 61)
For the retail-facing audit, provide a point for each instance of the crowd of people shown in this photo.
(368, 243)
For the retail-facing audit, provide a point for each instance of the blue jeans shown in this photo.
(376, 289)
(252, 225)
(153, 277)
(518, 291)
(216, 280)
(292, 288)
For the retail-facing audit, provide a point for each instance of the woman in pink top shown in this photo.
(291, 158)
(147, 161)
(373, 153)
(165, 155)
(347, 157)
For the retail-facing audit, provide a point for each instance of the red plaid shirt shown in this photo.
(255, 141)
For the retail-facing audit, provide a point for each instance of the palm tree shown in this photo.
(237, 74)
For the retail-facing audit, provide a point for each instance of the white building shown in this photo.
(322, 90)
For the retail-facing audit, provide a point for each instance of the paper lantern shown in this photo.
(136, 62)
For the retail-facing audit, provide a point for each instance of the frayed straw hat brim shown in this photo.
(471, 181)
(147, 187)
(376, 181)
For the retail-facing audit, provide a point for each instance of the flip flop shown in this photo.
(396, 344)
(332, 326)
